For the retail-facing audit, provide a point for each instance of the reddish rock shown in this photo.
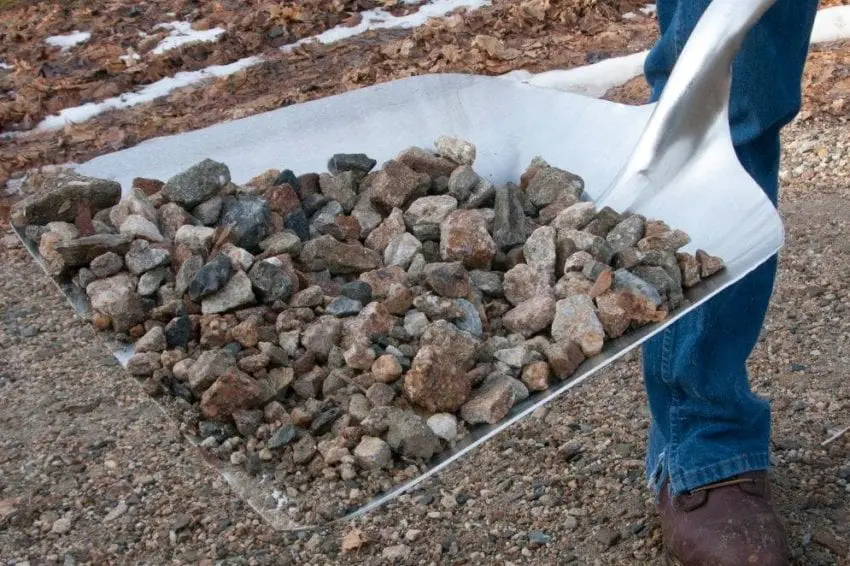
(399, 300)
(572, 283)
(282, 199)
(690, 268)
(383, 279)
(464, 237)
(523, 282)
(396, 184)
(564, 358)
(460, 346)
(435, 382)
(708, 264)
(489, 404)
(148, 186)
(392, 226)
(612, 313)
(447, 279)
(531, 316)
(231, 392)
(386, 369)
(326, 252)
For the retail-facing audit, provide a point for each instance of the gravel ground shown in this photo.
(92, 473)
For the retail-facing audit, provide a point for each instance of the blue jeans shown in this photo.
(707, 424)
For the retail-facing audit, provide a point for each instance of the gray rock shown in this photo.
(424, 216)
(270, 281)
(82, 251)
(663, 283)
(198, 239)
(482, 195)
(470, 321)
(598, 247)
(358, 162)
(60, 193)
(136, 202)
(444, 425)
(210, 278)
(550, 182)
(380, 394)
(401, 250)
(240, 259)
(187, 273)
(415, 323)
(519, 392)
(151, 281)
(357, 290)
(627, 233)
(344, 306)
(490, 403)
(531, 316)
(208, 211)
(247, 421)
(524, 282)
(373, 453)
(627, 281)
(197, 184)
(106, 265)
(153, 341)
(143, 365)
(141, 257)
(341, 187)
(235, 294)
(437, 308)
(540, 252)
(249, 219)
(456, 149)
(304, 450)
(575, 217)
(462, 181)
(322, 335)
(576, 321)
(359, 407)
(509, 223)
(452, 342)
(211, 365)
(409, 435)
(488, 282)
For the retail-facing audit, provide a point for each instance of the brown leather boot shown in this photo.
(729, 523)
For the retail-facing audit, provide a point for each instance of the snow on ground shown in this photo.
(594, 80)
(183, 34)
(69, 40)
(151, 92)
(376, 19)
(380, 19)
(832, 24)
(5, 66)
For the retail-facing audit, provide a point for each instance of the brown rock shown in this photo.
(708, 264)
(564, 358)
(396, 184)
(359, 355)
(247, 332)
(427, 162)
(382, 280)
(550, 211)
(374, 321)
(322, 335)
(669, 241)
(602, 284)
(464, 238)
(282, 199)
(435, 382)
(326, 252)
(452, 343)
(399, 300)
(489, 404)
(690, 269)
(386, 369)
(392, 226)
(447, 279)
(613, 314)
(231, 392)
(531, 316)
(535, 376)
(523, 282)
(59, 194)
(437, 308)
(148, 186)
(572, 283)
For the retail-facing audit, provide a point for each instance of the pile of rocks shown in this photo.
(348, 323)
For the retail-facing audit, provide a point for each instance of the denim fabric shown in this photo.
(707, 424)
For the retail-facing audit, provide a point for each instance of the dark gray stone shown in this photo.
(210, 278)
(509, 223)
(344, 306)
(270, 281)
(358, 290)
(197, 184)
(341, 162)
(249, 219)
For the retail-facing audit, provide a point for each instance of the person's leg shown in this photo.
(707, 426)
(706, 423)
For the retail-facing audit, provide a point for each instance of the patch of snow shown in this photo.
(130, 58)
(68, 41)
(151, 92)
(183, 34)
(831, 24)
(5, 66)
(629, 16)
(648, 10)
(380, 19)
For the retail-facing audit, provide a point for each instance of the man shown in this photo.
(709, 438)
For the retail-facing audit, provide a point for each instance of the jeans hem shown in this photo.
(692, 479)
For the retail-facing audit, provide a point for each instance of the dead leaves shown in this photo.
(495, 47)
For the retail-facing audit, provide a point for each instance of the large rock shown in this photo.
(509, 223)
(341, 187)
(464, 237)
(447, 279)
(396, 184)
(435, 381)
(136, 226)
(427, 162)
(627, 233)
(81, 251)
(198, 239)
(141, 257)
(357, 162)
(462, 181)
(401, 250)
(136, 202)
(452, 342)
(524, 282)
(172, 217)
(235, 294)
(197, 184)
(210, 365)
(325, 252)
(425, 215)
(456, 149)
(576, 321)
(210, 278)
(490, 403)
(539, 251)
(373, 453)
(270, 281)
(531, 316)
(233, 391)
(575, 217)
(409, 435)
(60, 195)
(249, 220)
(107, 264)
(116, 297)
(564, 358)
(392, 226)
(546, 183)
